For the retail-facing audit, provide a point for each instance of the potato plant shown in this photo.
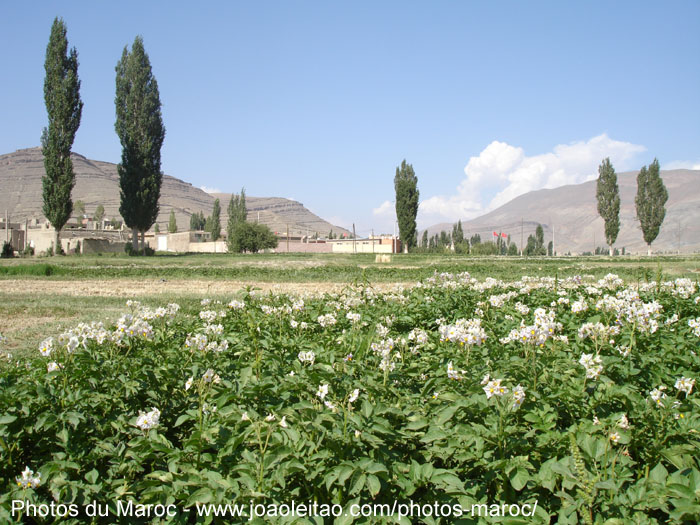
(575, 393)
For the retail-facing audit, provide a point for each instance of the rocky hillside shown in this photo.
(98, 183)
(569, 213)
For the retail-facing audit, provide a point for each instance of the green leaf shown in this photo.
(519, 478)
(658, 474)
(445, 414)
(374, 484)
(358, 485)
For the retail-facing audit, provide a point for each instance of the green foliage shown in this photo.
(535, 244)
(650, 201)
(99, 214)
(172, 222)
(79, 209)
(156, 228)
(608, 196)
(215, 221)
(253, 237)
(197, 221)
(139, 126)
(485, 248)
(406, 189)
(64, 109)
(242, 418)
(458, 233)
(7, 251)
(237, 214)
(539, 239)
(512, 249)
(531, 246)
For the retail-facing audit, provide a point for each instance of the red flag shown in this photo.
(495, 234)
(504, 236)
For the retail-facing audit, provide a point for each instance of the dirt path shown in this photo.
(153, 287)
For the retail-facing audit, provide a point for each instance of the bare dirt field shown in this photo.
(131, 288)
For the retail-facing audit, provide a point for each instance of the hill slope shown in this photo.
(572, 212)
(98, 183)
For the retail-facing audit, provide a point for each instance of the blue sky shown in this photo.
(320, 101)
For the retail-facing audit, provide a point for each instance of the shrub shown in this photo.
(7, 251)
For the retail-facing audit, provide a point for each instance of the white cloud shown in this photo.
(502, 172)
(681, 164)
(384, 217)
(210, 190)
(386, 210)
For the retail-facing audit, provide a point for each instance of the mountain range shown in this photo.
(97, 183)
(569, 216)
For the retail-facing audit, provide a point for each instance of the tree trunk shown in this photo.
(611, 250)
(57, 242)
(649, 250)
(135, 238)
(143, 241)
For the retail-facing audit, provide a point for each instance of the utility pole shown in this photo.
(354, 247)
(372, 240)
(287, 238)
(7, 226)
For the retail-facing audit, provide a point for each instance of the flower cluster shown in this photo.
(592, 364)
(28, 479)
(597, 331)
(327, 320)
(452, 373)
(657, 395)
(148, 420)
(685, 384)
(545, 327)
(307, 357)
(494, 387)
(464, 331)
(695, 325)
(211, 377)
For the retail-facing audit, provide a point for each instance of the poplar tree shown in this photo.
(215, 223)
(539, 241)
(64, 109)
(608, 196)
(99, 214)
(141, 132)
(406, 188)
(650, 202)
(237, 214)
(172, 222)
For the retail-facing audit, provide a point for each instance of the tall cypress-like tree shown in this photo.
(406, 188)
(172, 222)
(215, 222)
(539, 241)
(608, 196)
(141, 132)
(650, 202)
(237, 214)
(64, 109)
